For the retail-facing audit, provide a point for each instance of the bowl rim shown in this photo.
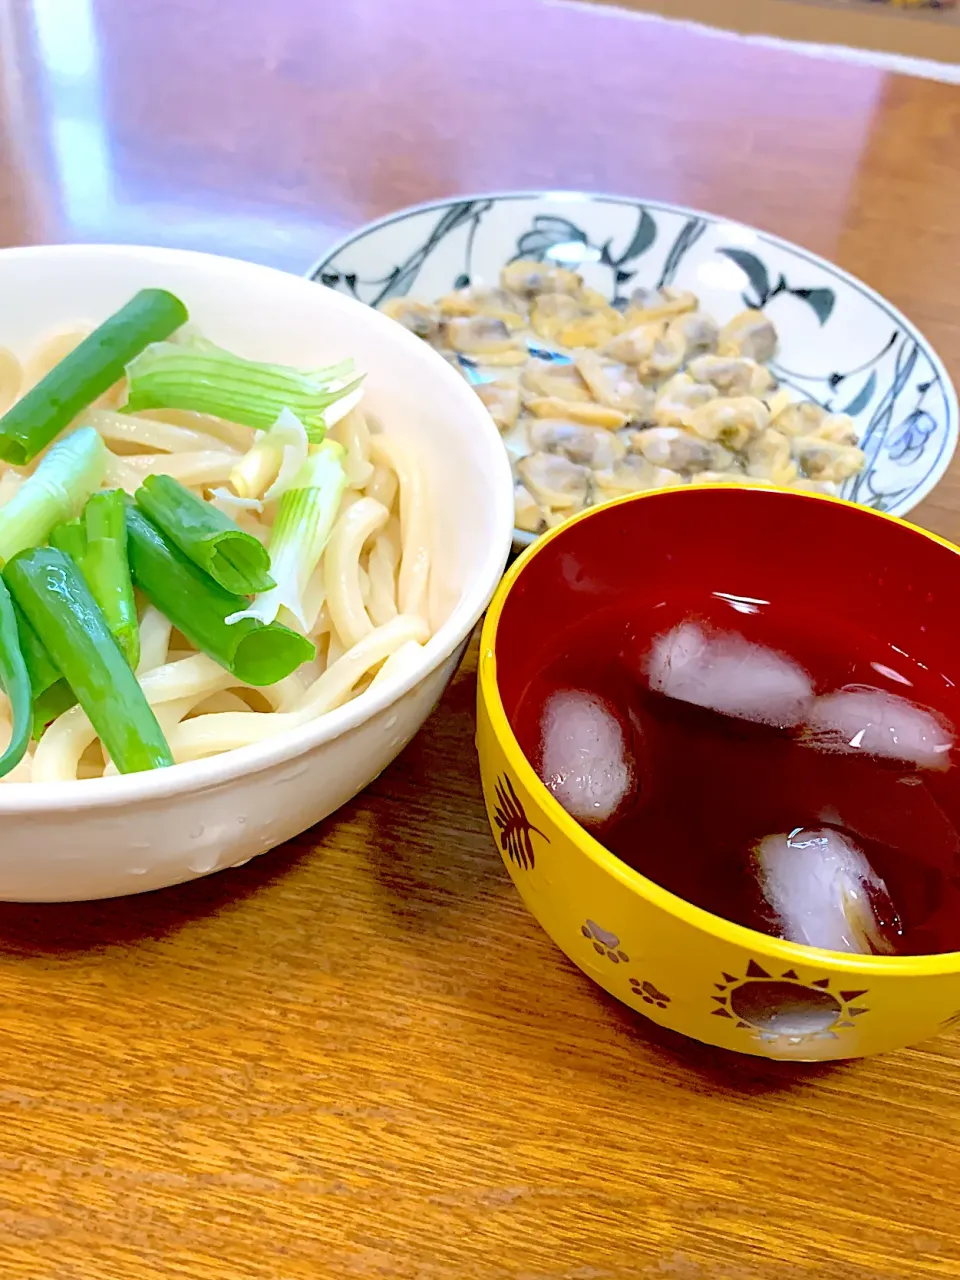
(790, 953)
(25, 798)
(521, 537)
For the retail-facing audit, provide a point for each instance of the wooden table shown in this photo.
(358, 1056)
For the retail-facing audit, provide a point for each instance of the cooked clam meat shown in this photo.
(802, 418)
(550, 312)
(574, 322)
(502, 400)
(680, 450)
(821, 459)
(769, 457)
(633, 474)
(677, 399)
(837, 428)
(604, 380)
(591, 415)
(419, 317)
(477, 301)
(749, 334)
(732, 422)
(482, 336)
(591, 447)
(526, 510)
(700, 332)
(646, 305)
(528, 279)
(732, 375)
(596, 400)
(654, 350)
(561, 381)
(557, 483)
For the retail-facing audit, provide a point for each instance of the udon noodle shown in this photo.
(367, 603)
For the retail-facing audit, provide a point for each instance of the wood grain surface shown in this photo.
(358, 1056)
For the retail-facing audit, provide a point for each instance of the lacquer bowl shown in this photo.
(676, 963)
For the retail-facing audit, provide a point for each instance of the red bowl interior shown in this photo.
(848, 564)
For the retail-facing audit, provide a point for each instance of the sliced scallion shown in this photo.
(86, 373)
(304, 520)
(205, 379)
(15, 680)
(234, 559)
(42, 669)
(50, 590)
(98, 545)
(198, 607)
(57, 490)
(51, 693)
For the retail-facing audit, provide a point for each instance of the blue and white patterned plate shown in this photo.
(841, 343)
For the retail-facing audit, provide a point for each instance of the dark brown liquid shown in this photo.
(712, 786)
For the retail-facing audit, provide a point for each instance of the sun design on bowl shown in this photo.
(604, 942)
(783, 1008)
(513, 825)
(648, 993)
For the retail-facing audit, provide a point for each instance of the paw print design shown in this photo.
(604, 942)
(648, 993)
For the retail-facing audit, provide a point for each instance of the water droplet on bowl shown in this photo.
(196, 832)
(201, 863)
(390, 722)
(242, 819)
(242, 862)
(136, 871)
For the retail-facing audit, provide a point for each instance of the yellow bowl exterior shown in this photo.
(675, 963)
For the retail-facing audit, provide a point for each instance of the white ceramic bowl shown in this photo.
(106, 837)
(841, 343)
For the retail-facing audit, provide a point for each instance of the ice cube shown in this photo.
(821, 890)
(585, 760)
(877, 723)
(725, 673)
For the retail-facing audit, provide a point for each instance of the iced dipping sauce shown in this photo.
(756, 708)
(788, 772)
(717, 738)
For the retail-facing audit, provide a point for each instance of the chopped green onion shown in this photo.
(50, 590)
(234, 559)
(107, 569)
(50, 704)
(51, 693)
(61, 484)
(227, 498)
(15, 680)
(206, 379)
(98, 545)
(279, 452)
(42, 669)
(70, 538)
(198, 607)
(86, 373)
(301, 530)
(257, 468)
(289, 433)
